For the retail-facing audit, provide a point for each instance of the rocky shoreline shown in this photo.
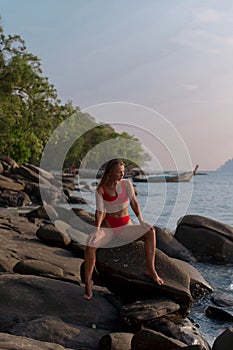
(41, 278)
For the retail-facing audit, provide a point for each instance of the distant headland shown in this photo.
(227, 166)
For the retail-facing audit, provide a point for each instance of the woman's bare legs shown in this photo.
(103, 237)
(150, 251)
(137, 232)
(130, 232)
(90, 258)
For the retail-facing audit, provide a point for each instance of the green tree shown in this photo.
(101, 142)
(29, 106)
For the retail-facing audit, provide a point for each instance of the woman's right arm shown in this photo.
(99, 217)
(99, 212)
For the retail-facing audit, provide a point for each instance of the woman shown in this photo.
(113, 195)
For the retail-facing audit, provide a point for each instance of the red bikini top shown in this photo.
(119, 198)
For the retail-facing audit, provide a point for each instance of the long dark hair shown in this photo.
(108, 170)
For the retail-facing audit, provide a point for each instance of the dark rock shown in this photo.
(122, 269)
(78, 250)
(35, 184)
(52, 236)
(191, 347)
(207, 239)
(11, 185)
(9, 342)
(33, 173)
(78, 223)
(225, 315)
(47, 175)
(19, 243)
(26, 300)
(51, 194)
(8, 162)
(76, 200)
(116, 341)
(86, 216)
(83, 221)
(39, 268)
(222, 299)
(179, 328)
(198, 285)
(224, 341)
(65, 215)
(147, 310)
(74, 235)
(46, 212)
(27, 173)
(52, 329)
(170, 246)
(33, 190)
(1, 168)
(7, 260)
(148, 339)
(201, 221)
(14, 199)
(88, 188)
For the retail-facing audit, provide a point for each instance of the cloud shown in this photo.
(189, 87)
(206, 41)
(207, 15)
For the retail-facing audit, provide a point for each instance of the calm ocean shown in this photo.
(210, 195)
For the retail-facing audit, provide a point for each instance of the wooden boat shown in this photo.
(166, 177)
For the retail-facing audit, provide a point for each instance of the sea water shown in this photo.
(209, 195)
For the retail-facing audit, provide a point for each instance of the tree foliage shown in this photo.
(29, 107)
(102, 142)
(30, 112)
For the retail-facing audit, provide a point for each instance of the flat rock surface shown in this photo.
(52, 310)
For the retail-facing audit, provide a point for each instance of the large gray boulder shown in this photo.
(27, 173)
(39, 268)
(220, 314)
(170, 246)
(222, 299)
(14, 199)
(54, 311)
(7, 183)
(224, 340)
(122, 271)
(198, 285)
(207, 239)
(140, 312)
(52, 236)
(46, 212)
(148, 339)
(12, 342)
(40, 171)
(181, 329)
(21, 247)
(116, 341)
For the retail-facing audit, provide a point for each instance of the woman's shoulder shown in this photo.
(127, 183)
(100, 189)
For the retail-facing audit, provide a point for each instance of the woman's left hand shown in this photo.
(146, 225)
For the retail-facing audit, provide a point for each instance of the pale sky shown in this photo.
(171, 56)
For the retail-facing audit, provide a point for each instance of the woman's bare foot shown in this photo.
(88, 291)
(153, 275)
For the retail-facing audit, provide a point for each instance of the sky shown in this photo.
(174, 57)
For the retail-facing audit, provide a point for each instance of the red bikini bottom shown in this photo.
(116, 223)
